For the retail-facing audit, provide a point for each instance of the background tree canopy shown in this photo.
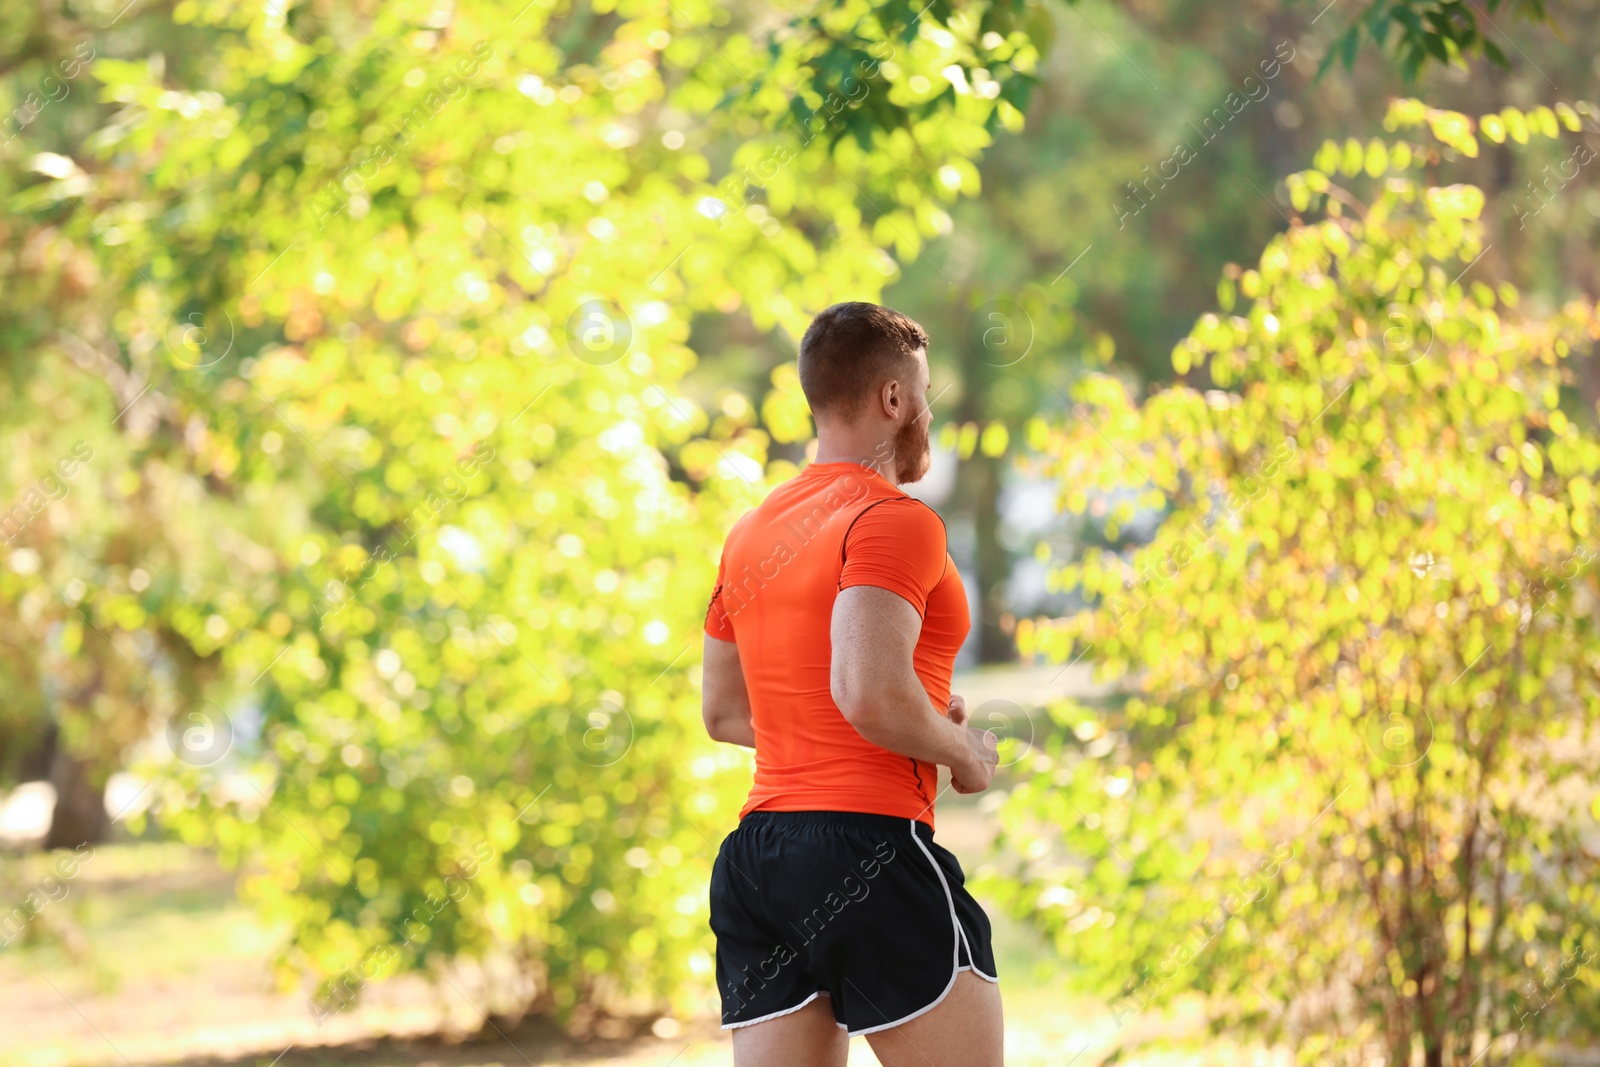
(394, 475)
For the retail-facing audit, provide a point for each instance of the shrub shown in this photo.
(1344, 791)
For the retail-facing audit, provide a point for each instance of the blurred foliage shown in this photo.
(1102, 226)
(1442, 31)
(388, 565)
(1347, 792)
(357, 496)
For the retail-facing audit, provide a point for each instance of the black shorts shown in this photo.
(866, 910)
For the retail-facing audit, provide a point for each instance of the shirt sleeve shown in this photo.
(717, 623)
(898, 544)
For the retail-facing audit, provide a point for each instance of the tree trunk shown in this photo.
(80, 816)
(977, 490)
(994, 644)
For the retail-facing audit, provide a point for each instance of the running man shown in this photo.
(830, 639)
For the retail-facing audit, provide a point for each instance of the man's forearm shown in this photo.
(736, 730)
(724, 700)
(908, 725)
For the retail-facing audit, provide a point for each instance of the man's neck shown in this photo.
(830, 450)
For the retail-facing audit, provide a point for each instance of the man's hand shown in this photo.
(974, 774)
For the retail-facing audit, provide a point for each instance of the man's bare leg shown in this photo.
(965, 1030)
(809, 1037)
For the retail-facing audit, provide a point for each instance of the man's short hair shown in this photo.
(849, 349)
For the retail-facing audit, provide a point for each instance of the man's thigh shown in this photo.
(810, 1037)
(964, 1029)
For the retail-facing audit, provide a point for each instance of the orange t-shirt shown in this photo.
(833, 526)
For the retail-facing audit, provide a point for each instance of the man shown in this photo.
(830, 639)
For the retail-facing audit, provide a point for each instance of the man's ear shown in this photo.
(891, 398)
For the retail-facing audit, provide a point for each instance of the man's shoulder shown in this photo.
(849, 504)
(899, 508)
(899, 520)
(843, 493)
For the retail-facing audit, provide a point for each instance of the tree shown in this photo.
(375, 318)
(1154, 152)
(1345, 793)
(396, 533)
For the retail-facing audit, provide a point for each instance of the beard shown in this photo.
(912, 452)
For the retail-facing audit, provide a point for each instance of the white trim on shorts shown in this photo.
(955, 951)
(961, 931)
(774, 1015)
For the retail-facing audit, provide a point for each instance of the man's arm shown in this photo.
(724, 701)
(875, 685)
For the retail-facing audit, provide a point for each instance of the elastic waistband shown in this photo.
(865, 819)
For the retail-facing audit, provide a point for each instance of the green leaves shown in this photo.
(1455, 202)
(1337, 664)
(407, 294)
(1417, 33)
